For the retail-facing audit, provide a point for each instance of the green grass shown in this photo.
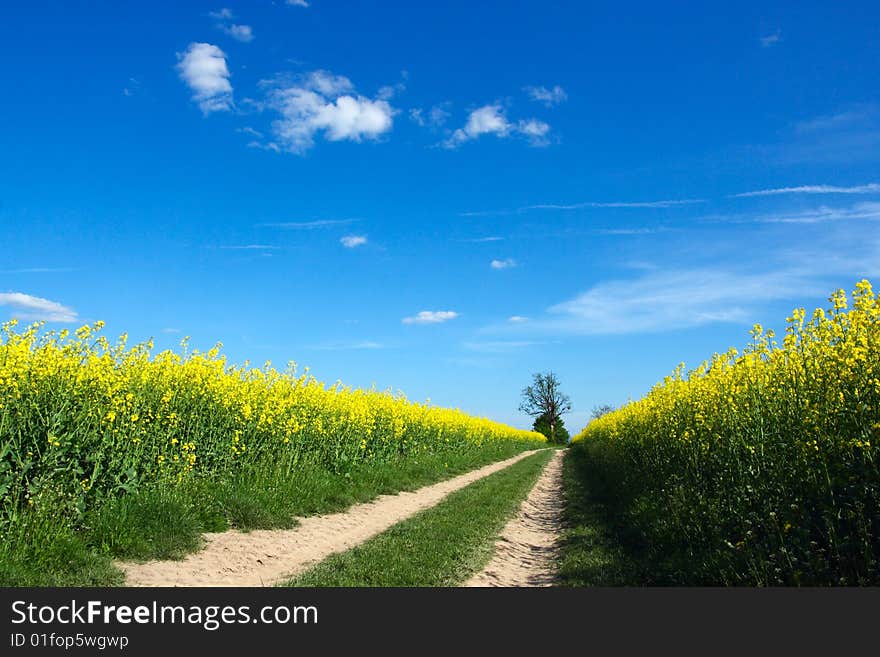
(441, 546)
(52, 544)
(591, 550)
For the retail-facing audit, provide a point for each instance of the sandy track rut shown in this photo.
(526, 552)
(265, 557)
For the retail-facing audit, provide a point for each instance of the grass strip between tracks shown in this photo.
(441, 546)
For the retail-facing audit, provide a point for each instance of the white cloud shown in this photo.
(480, 240)
(431, 317)
(325, 103)
(580, 206)
(615, 204)
(27, 307)
(489, 119)
(264, 146)
(348, 346)
(224, 14)
(770, 39)
(170, 330)
(492, 120)
(536, 131)
(870, 188)
(251, 247)
(243, 33)
(842, 138)
(308, 225)
(133, 87)
(631, 231)
(507, 263)
(203, 68)
(670, 300)
(298, 3)
(352, 241)
(859, 211)
(37, 270)
(517, 319)
(389, 91)
(549, 97)
(500, 346)
(247, 130)
(433, 118)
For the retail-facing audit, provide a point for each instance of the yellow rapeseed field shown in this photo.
(88, 417)
(762, 466)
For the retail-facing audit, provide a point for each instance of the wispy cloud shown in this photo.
(326, 104)
(27, 307)
(223, 18)
(298, 3)
(500, 346)
(866, 210)
(353, 241)
(243, 33)
(507, 263)
(481, 240)
(870, 188)
(264, 146)
(549, 97)
(308, 225)
(203, 67)
(492, 120)
(133, 87)
(842, 120)
(39, 270)
(671, 300)
(847, 136)
(169, 330)
(586, 204)
(250, 247)
(859, 211)
(432, 118)
(630, 231)
(431, 317)
(348, 346)
(517, 319)
(247, 130)
(770, 39)
(615, 204)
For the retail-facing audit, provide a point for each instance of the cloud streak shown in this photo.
(671, 300)
(431, 317)
(250, 247)
(27, 307)
(500, 346)
(616, 204)
(308, 225)
(348, 346)
(662, 204)
(870, 188)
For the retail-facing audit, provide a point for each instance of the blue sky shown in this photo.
(439, 198)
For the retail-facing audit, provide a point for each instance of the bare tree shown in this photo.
(600, 410)
(545, 398)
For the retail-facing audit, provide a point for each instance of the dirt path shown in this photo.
(264, 557)
(526, 551)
